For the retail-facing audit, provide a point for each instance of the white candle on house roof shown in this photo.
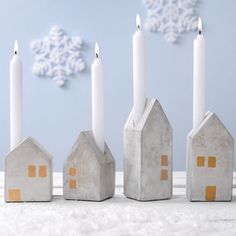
(199, 77)
(15, 98)
(139, 86)
(98, 100)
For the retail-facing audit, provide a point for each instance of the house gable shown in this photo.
(85, 144)
(26, 146)
(155, 117)
(211, 132)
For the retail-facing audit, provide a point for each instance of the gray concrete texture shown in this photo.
(28, 173)
(210, 153)
(148, 155)
(88, 174)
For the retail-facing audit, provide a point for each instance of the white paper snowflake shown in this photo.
(57, 56)
(171, 17)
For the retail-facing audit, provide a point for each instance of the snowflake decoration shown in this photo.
(171, 17)
(57, 56)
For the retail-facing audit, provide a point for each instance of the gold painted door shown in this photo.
(210, 193)
(14, 195)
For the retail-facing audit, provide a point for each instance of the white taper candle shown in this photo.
(199, 78)
(139, 86)
(15, 98)
(98, 100)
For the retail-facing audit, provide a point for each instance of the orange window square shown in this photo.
(200, 161)
(72, 171)
(43, 171)
(164, 160)
(164, 174)
(210, 193)
(14, 195)
(211, 162)
(72, 183)
(31, 171)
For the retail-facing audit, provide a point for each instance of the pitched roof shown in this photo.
(86, 141)
(31, 141)
(210, 119)
(151, 104)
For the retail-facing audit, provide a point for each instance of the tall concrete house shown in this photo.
(148, 155)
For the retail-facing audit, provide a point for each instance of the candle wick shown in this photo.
(96, 55)
(199, 32)
(15, 52)
(138, 27)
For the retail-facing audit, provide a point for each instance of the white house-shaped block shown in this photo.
(88, 174)
(28, 173)
(210, 154)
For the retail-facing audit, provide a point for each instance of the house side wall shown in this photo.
(87, 177)
(189, 168)
(132, 163)
(107, 175)
(156, 144)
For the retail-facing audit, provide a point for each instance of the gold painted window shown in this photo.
(72, 171)
(164, 175)
(42, 171)
(164, 160)
(200, 161)
(31, 171)
(72, 183)
(211, 162)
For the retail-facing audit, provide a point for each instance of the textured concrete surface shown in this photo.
(210, 139)
(145, 177)
(94, 172)
(38, 186)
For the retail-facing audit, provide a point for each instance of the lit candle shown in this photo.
(15, 98)
(139, 86)
(98, 100)
(199, 77)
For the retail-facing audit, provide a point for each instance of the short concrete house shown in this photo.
(88, 174)
(210, 153)
(28, 173)
(148, 155)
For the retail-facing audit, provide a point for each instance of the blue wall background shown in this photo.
(55, 116)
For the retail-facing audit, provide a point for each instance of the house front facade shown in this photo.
(88, 174)
(210, 155)
(28, 173)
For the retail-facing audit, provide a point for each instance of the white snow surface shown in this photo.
(117, 216)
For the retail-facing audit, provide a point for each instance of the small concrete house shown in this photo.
(28, 173)
(88, 174)
(210, 153)
(148, 155)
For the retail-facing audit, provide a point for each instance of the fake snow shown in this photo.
(117, 216)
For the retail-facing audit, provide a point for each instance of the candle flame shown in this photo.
(97, 50)
(138, 22)
(16, 48)
(199, 25)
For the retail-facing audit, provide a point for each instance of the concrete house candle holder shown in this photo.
(88, 174)
(28, 173)
(148, 155)
(210, 153)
